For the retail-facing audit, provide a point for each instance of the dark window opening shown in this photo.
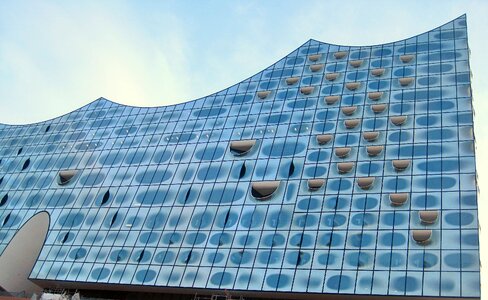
(226, 218)
(65, 238)
(105, 198)
(4, 200)
(26, 164)
(5, 221)
(141, 256)
(114, 218)
(299, 258)
(291, 169)
(187, 196)
(242, 173)
(188, 257)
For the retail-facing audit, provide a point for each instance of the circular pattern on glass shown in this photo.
(278, 280)
(222, 278)
(100, 273)
(337, 282)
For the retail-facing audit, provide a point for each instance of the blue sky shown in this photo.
(56, 56)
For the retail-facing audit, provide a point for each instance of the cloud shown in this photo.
(61, 57)
(58, 56)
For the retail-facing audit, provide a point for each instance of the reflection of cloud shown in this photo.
(57, 56)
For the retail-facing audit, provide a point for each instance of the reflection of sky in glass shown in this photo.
(159, 166)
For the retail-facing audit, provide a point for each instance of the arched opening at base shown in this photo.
(19, 257)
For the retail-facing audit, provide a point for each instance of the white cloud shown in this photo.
(58, 56)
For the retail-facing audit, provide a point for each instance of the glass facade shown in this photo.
(339, 170)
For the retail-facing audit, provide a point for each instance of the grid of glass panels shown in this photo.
(159, 199)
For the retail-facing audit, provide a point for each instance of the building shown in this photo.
(336, 171)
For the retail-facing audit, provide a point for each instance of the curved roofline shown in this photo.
(60, 116)
(157, 106)
(397, 41)
(169, 105)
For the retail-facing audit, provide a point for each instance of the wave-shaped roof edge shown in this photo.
(463, 16)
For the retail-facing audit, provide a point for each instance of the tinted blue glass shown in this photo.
(159, 199)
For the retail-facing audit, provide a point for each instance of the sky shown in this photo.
(56, 56)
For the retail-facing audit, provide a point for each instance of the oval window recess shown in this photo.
(371, 136)
(65, 238)
(342, 152)
(422, 236)
(398, 199)
(263, 190)
(187, 196)
(314, 57)
(47, 128)
(242, 172)
(20, 151)
(239, 148)
(401, 164)
(365, 183)
(105, 197)
(65, 176)
(349, 110)
(307, 90)
(352, 86)
(374, 150)
(141, 256)
(291, 169)
(299, 259)
(405, 81)
(428, 216)
(114, 218)
(356, 63)
(329, 100)
(340, 54)
(5, 221)
(350, 124)
(323, 139)
(26, 164)
(406, 58)
(345, 167)
(316, 67)
(1, 180)
(378, 72)
(331, 76)
(315, 184)
(263, 94)
(378, 108)
(188, 257)
(226, 219)
(398, 120)
(375, 95)
(4, 200)
(292, 80)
